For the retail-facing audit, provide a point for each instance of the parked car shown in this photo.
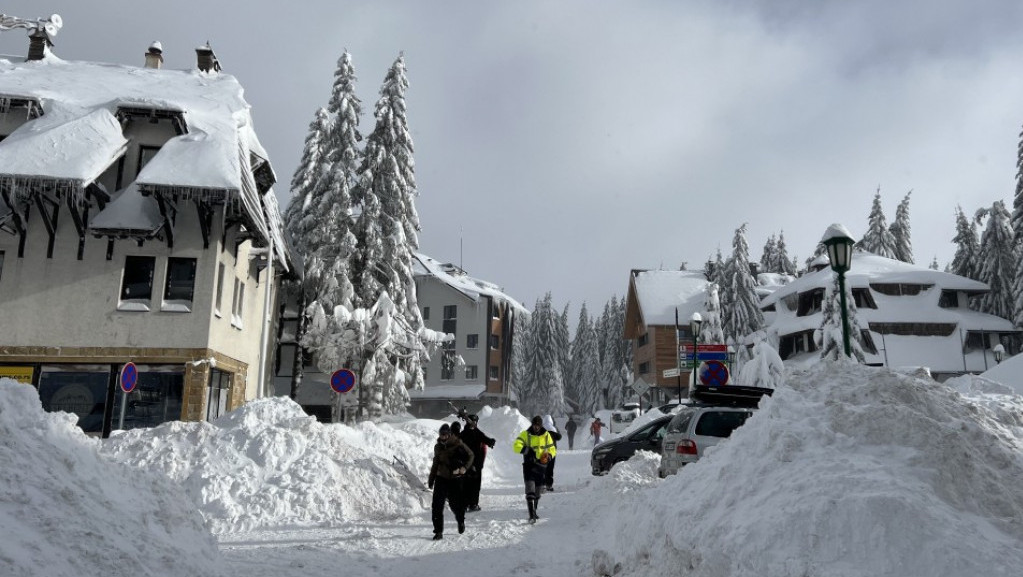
(693, 429)
(645, 438)
(622, 418)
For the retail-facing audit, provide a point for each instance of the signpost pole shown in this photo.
(678, 359)
(124, 403)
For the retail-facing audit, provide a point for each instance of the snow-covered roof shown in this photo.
(129, 210)
(660, 292)
(79, 135)
(456, 278)
(870, 268)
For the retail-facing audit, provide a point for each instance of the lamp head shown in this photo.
(839, 242)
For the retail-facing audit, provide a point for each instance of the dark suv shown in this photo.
(646, 438)
(717, 412)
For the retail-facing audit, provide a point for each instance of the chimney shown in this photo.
(206, 59)
(154, 56)
(38, 43)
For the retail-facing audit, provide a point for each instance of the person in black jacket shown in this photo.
(477, 441)
(451, 459)
(548, 480)
(570, 427)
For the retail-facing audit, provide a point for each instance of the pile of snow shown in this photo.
(69, 509)
(269, 464)
(846, 470)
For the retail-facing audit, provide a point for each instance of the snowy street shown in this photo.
(497, 536)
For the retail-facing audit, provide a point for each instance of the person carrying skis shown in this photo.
(477, 441)
(537, 448)
(548, 478)
(451, 459)
(570, 429)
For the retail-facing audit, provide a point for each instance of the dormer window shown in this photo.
(949, 299)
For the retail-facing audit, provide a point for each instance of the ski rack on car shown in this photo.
(729, 395)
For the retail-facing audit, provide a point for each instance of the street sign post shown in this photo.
(128, 379)
(640, 386)
(342, 380)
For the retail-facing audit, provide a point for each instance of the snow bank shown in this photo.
(847, 470)
(66, 510)
(269, 464)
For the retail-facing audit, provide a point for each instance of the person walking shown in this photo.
(548, 478)
(477, 441)
(537, 447)
(570, 429)
(451, 459)
(595, 428)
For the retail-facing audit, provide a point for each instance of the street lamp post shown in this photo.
(694, 325)
(839, 242)
(999, 352)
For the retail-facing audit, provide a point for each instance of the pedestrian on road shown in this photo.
(477, 441)
(548, 479)
(537, 448)
(451, 459)
(595, 428)
(570, 429)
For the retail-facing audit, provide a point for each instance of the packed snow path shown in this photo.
(498, 540)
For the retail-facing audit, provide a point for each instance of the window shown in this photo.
(868, 342)
(495, 373)
(238, 303)
(447, 365)
(643, 340)
(495, 311)
(947, 300)
(450, 312)
(137, 283)
(810, 302)
(146, 153)
(220, 289)
(470, 372)
(472, 341)
(644, 368)
(426, 313)
(863, 298)
(494, 341)
(450, 326)
(217, 394)
(177, 295)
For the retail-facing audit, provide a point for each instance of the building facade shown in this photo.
(137, 224)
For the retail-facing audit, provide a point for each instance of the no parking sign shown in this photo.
(129, 377)
(342, 381)
(714, 373)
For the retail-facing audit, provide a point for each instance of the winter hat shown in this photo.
(537, 420)
(445, 428)
(474, 418)
(548, 423)
(456, 428)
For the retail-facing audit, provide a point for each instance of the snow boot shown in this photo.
(437, 536)
(461, 526)
(532, 510)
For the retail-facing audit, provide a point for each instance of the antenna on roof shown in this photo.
(460, 249)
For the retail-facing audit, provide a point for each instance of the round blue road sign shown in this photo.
(714, 373)
(342, 381)
(129, 377)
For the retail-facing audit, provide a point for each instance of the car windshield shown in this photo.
(720, 423)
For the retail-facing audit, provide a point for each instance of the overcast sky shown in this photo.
(561, 144)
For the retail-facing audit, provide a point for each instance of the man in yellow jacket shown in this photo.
(537, 448)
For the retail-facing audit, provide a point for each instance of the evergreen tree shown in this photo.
(878, 239)
(934, 264)
(564, 342)
(783, 264)
(544, 393)
(710, 330)
(739, 299)
(999, 260)
(965, 261)
(521, 349)
(770, 256)
(585, 365)
(1017, 231)
(832, 343)
(764, 369)
(901, 231)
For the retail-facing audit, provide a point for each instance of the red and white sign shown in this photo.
(702, 348)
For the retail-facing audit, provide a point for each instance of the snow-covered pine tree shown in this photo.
(966, 260)
(934, 263)
(832, 343)
(999, 258)
(710, 330)
(740, 303)
(878, 239)
(564, 342)
(770, 257)
(784, 264)
(521, 349)
(545, 391)
(585, 372)
(764, 369)
(1017, 230)
(901, 232)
